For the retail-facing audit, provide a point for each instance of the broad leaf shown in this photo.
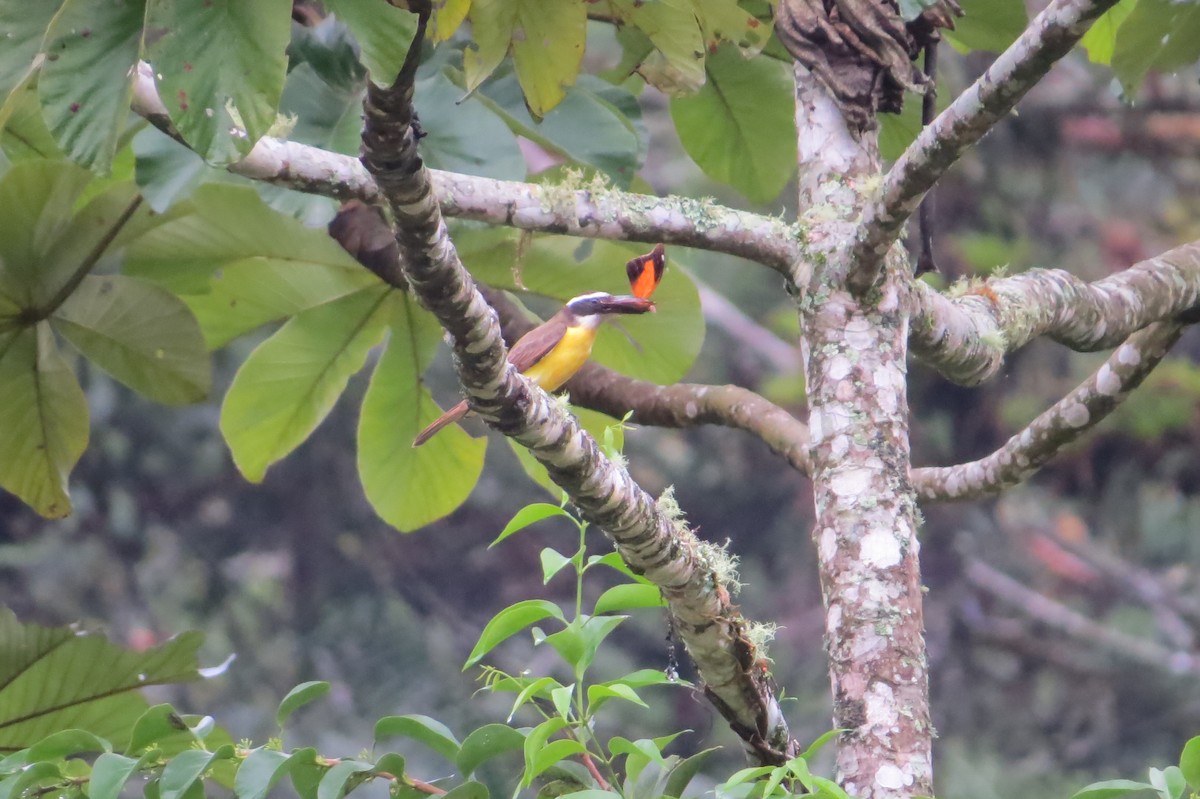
(24, 134)
(57, 678)
(110, 772)
(298, 697)
(1158, 35)
(185, 770)
(65, 743)
(39, 200)
(408, 486)
(333, 784)
(465, 135)
(1101, 39)
(448, 15)
(142, 335)
(263, 768)
(1189, 762)
(509, 622)
(485, 743)
(431, 732)
(988, 25)
(1110, 789)
(663, 43)
(24, 25)
(628, 596)
(739, 127)
(223, 65)
(596, 125)
(85, 84)
(546, 39)
(383, 31)
(43, 420)
(530, 514)
(290, 382)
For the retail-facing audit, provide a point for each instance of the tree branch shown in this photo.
(650, 542)
(966, 338)
(600, 212)
(1048, 38)
(1062, 424)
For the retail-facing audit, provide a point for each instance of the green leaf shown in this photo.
(259, 772)
(739, 128)
(510, 621)
(535, 743)
(408, 486)
(24, 135)
(155, 726)
(549, 755)
(390, 763)
(333, 784)
(223, 65)
(24, 25)
(468, 790)
(1159, 35)
(595, 125)
(110, 772)
(577, 644)
(1101, 39)
(659, 347)
(290, 382)
(298, 697)
(629, 596)
(58, 678)
(1169, 782)
(43, 420)
(383, 31)
(546, 40)
(142, 335)
(39, 200)
(681, 776)
(553, 562)
(431, 732)
(65, 743)
(485, 743)
(541, 688)
(819, 743)
(1110, 789)
(1189, 762)
(529, 515)
(643, 677)
(466, 135)
(91, 48)
(988, 25)
(183, 771)
(37, 774)
(598, 696)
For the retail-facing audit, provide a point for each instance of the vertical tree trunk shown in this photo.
(854, 359)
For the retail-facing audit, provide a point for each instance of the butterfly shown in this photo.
(645, 272)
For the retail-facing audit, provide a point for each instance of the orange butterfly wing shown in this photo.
(645, 272)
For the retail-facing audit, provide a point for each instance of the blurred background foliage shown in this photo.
(301, 579)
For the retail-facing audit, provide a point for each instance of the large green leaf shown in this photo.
(141, 334)
(43, 421)
(238, 264)
(56, 679)
(86, 83)
(290, 382)
(383, 31)
(664, 344)
(988, 25)
(24, 134)
(597, 124)
(222, 64)
(739, 127)
(408, 486)
(38, 198)
(23, 28)
(1101, 39)
(546, 39)
(466, 135)
(663, 43)
(1158, 35)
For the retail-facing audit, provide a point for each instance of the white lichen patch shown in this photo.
(827, 545)
(891, 777)
(1107, 382)
(851, 482)
(859, 333)
(880, 549)
(1076, 415)
(880, 706)
(839, 367)
(1128, 355)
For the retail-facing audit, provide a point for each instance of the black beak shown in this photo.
(625, 304)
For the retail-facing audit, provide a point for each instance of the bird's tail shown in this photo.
(449, 417)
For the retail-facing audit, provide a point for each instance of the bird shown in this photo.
(553, 352)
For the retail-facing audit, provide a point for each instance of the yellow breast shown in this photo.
(562, 362)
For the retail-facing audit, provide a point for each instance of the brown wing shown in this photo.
(534, 345)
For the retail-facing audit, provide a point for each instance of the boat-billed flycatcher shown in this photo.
(552, 352)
